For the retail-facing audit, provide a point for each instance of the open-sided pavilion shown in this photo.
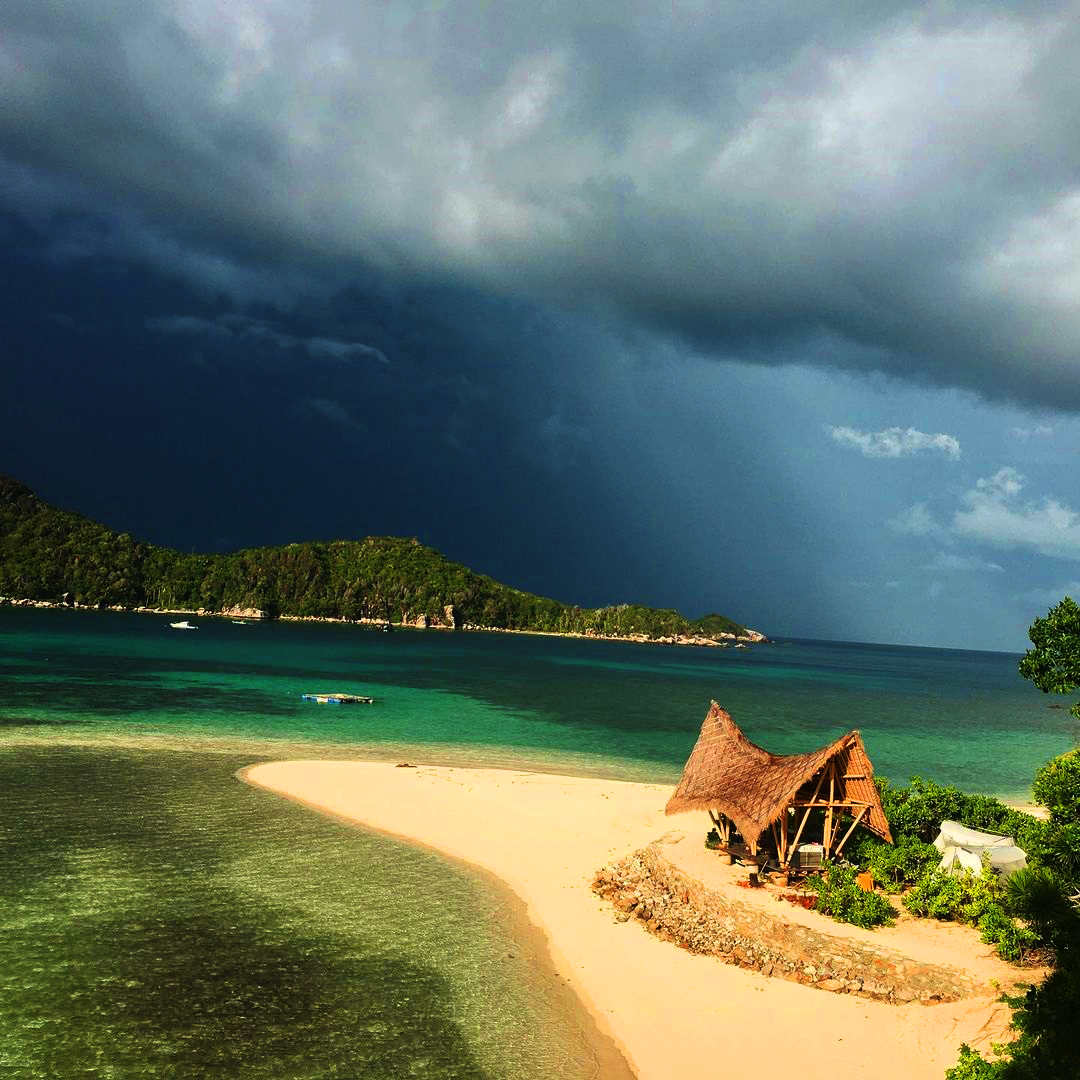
(746, 788)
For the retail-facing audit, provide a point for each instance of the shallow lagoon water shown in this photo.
(160, 918)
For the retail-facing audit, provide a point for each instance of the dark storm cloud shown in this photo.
(867, 186)
(263, 332)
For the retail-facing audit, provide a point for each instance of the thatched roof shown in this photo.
(730, 775)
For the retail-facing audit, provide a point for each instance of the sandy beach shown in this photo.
(671, 1012)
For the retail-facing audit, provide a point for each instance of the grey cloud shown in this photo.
(1051, 596)
(332, 412)
(188, 324)
(916, 520)
(343, 350)
(992, 514)
(946, 561)
(1038, 431)
(554, 442)
(895, 442)
(261, 330)
(887, 187)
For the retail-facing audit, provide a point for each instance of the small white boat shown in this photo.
(185, 625)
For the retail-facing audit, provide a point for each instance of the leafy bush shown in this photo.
(965, 897)
(896, 865)
(1060, 851)
(839, 895)
(1015, 942)
(1057, 787)
(972, 1066)
(712, 840)
(919, 809)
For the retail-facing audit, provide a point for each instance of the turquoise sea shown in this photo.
(158, 918)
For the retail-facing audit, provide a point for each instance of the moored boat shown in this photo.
(338, 699)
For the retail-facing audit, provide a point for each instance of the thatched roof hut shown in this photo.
(731, 777)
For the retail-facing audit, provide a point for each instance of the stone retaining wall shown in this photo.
(676, 907)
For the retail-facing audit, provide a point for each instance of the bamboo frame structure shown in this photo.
(747, 789)
(835, 806)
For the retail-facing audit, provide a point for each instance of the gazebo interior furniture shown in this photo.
(745, 788)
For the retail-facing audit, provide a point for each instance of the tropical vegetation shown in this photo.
(1047, 894)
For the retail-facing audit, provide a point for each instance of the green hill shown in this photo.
(53, 555)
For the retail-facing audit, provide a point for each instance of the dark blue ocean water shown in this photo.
(160, 919)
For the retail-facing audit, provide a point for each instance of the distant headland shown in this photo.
(56, 558)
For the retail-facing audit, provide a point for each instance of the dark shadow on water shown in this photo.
(227, 994)
(159, 919)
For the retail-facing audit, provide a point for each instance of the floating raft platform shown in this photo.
(338, 699)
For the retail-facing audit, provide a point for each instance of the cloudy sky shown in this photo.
(767, 310)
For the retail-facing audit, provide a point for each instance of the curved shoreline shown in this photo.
(672, 1012)
(533, 945)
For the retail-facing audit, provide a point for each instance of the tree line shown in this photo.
(59, 556)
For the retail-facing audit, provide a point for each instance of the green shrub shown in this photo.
(896, 865)
(1060, 851)
(965, 897)
(1015, 942)
(936, 896)
(919, 809)
(972, 1066)
(1057, 787)
(839, 895)
(712, 840)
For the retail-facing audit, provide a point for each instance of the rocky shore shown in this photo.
(450, 620)
(668, 903)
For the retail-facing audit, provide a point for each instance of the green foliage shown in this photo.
(919, 809)
(712, 840)
(57, 556)
(839, 895)
(895, 865)
(1042, 895)
(963, 897)
(1015, 942)
(715, 626)
(972, 1066)
(1046, 1017)
(1053, 665)
(978, 900)
(1057, 787)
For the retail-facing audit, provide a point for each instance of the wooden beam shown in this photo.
(806, 816)
(827, 842)
(858, 818)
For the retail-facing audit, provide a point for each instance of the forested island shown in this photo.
(56, 556)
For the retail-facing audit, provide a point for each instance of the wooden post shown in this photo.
(723, 827)
(826, 842)
(806, 815)
(858, 818)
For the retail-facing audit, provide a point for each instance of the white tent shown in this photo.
(965, 849)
